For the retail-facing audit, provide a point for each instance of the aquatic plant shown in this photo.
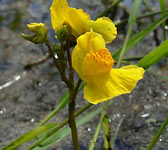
(93, 62)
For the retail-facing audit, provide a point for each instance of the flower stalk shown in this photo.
(61, 65)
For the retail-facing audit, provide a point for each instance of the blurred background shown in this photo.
(28, 95)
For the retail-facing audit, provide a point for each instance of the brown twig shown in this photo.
(44, 59)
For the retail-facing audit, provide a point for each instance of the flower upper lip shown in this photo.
(80, 22)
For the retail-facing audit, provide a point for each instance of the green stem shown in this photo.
(125, 45)
(103, 113)
(52, 131)
(156, 137)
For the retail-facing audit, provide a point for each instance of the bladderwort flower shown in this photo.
(93, 62)
(80, 22)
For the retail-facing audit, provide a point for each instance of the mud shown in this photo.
(27, 96)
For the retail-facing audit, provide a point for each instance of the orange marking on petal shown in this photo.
(97, 62)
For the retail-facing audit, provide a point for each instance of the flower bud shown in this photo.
(62, 33)
(40, 31)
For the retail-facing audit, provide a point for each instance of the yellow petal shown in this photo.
(105, 27)
(86, 43)
(59, 9)
(61, 14)
(114, 83)
(78, 21)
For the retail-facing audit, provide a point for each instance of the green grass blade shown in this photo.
(141, 35)
(32, 134)
(59, 135)
(162, 6)
(134, 11)
(131, 21)
(155, 56)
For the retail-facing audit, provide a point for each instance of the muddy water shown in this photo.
(27, 96)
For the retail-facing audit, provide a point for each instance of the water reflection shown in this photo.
(12, 81)
(2, 111)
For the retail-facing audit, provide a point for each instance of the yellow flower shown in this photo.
(93, 62)
(79, 21)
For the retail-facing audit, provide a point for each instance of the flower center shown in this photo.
(97, 62)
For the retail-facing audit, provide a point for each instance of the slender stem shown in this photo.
(72, 100)
(71, 75)
(122, 6)
(56, 63)
(155, 35)
(62, 58)
(125, 44)
(60, 67)
(99, 126)
(163, 10)
(29, 66)
(116, 133)
(52, 131)
(106, 11)
(71, 120)
(156, 137)
(77, 88)
(124, 21)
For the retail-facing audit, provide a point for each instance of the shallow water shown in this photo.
(27, 96)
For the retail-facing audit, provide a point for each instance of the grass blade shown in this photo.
(32, 134)
(59, 135)
(134, 11)
(155, 56)
(141, 35)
